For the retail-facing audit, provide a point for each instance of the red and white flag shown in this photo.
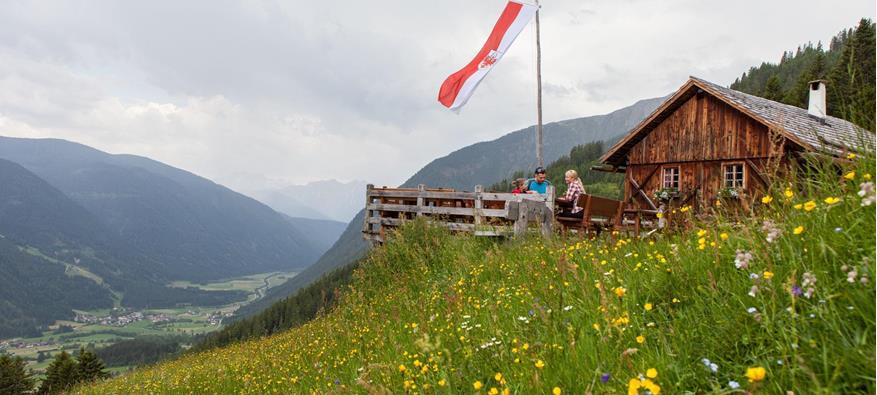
(458, 87)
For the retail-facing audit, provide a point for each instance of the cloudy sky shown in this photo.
(258, 93)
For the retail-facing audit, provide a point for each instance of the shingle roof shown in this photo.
(831, 135)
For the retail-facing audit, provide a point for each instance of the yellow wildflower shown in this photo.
(851, 156)
(648, 307)
(401, 368)
(651, 387)
(809, 206)
(652, 373)
(718, 203)
(640, 339)
(850, 175)
(633, 386)
(477, 385)
(556, 391)
(767, 199)
(493, 391)
(723, 236)
(755, 374)
(798, 206)
(442, 383)
(497, 376)
(767, 275)
(539, 364)
(798, 230)
(866, 176)
(619, 291)
(831, 200)
(701, 233)
(788, 193)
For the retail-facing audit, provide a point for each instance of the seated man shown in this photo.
(538, 184)
(574, 189)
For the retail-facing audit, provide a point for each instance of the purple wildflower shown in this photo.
(604, 378)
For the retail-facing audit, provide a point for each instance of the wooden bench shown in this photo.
(598, 214)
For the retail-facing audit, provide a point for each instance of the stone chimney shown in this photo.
(817, 99)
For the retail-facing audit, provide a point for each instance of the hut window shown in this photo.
(733, 175)
(670, 178)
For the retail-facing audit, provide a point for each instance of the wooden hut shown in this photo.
(708, 141)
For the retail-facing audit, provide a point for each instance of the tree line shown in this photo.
(64, 372)
(848, 66)
(580, 158)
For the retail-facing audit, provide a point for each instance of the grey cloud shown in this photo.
(232, 90)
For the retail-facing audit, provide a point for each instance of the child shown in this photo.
(520, 186)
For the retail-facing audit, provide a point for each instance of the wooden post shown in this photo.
(538, 92)
(366, 228)
(420, 189)
(523, 218)
(479, 204)
(547, 217)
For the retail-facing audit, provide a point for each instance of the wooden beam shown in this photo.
(639, 189)
(757, 173)
(464, 211)
(389, 193)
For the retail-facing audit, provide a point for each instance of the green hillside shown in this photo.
(275, 316)
(781, 299)
(481, 163)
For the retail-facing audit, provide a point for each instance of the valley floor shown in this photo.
(102, 328)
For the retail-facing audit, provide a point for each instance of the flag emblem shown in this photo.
(489, 60)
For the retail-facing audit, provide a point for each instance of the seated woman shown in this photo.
(573, 191)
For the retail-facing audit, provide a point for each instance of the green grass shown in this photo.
(434, 313)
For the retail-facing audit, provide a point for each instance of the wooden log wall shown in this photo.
(699, 137)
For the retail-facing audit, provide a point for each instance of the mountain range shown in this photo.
(482, 163)
(127, 226)
(325, 199)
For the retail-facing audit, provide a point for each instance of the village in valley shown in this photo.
(104, 327)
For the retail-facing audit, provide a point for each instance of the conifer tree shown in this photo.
(797, 96)
(863, 75)
(89, 367)
(851, 91)
(15, 378)
(773, 90)
(60, 375)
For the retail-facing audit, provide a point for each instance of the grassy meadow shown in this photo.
(782, 299)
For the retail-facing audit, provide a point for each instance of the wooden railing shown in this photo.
(481, 213)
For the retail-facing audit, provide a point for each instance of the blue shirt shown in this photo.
(533, 185)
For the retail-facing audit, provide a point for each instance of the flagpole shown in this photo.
(538, 92)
